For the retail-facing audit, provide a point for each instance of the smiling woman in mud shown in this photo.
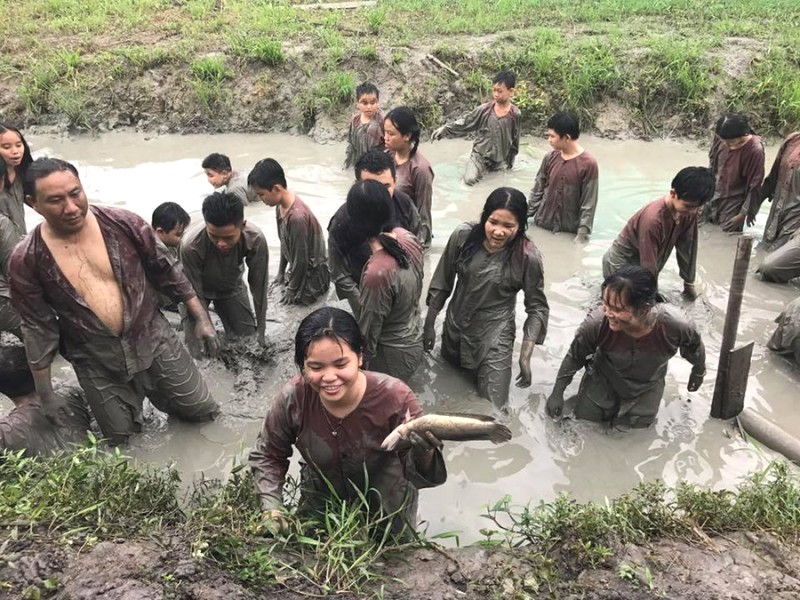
(337, 416)
(16, 154)
(414, 172)
(390, 285)
(625, 346)
(492, 260)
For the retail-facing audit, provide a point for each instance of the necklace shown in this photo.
(334, 430)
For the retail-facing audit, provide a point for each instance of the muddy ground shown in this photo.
(741, 566)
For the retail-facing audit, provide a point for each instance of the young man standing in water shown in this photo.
(214, 255)
(564, 196)
(669, 222)
(221, 175)
(497, 125)
(347, 253)
(84, 282)
(25, 427)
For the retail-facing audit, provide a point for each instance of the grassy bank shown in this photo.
(80, 500)
(668, 65)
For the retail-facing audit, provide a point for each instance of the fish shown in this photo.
(455, 427)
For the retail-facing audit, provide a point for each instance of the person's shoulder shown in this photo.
(390, 389)
(253, 232)
(420, 162)
(463, 230)
(194, 237)
(515, 111)
(588, 158)
(671, 316)
(115, 214)
(756, 144)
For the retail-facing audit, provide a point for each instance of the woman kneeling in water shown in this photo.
(625, 346)
(337, 416)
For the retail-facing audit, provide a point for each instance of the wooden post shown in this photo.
(740, 265)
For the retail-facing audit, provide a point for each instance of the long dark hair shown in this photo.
(507, 198)
(633, 285)
(406, 123)
(326, 322)
(374, 206)
(27, 158)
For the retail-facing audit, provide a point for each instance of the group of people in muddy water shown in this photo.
(92, 283)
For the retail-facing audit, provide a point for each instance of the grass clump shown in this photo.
(253, 47)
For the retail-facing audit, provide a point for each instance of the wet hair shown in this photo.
(326, 322)
(223, 208)
(406, 123)
(27, 157)
(16, 378)
(266, 174)
(217, 162)
(505, 77)
(375, 161)
(635, 286)
(732, 125)
(169, 215)
(564, 123)
(43, 167)
(367, 88)
(694, 185)
(507, 198)
(370, 200)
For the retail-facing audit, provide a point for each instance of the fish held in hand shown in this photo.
(456, 428)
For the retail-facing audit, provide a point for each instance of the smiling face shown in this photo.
(60, 199)
(225, 237)
(218, 178)
(332, 369)
(621, 317)
(12, 149)
(501, 227)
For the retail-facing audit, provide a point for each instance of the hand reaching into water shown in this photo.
(695, 381)
(555, 405)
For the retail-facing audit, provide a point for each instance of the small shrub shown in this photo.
(211, 69)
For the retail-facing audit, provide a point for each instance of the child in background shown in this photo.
(497, 126)
(170, 220)
(366, 127)
(221, 175)
(303, 270)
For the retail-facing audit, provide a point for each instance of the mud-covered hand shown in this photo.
(424, 442)
(429, 330)
(581, 237)
(273, 521)
(555, 405)
(438, 133)
(206, 333)
(734, 222)
(55, 408)
(695, 381)
(690, 291)
(524, 378)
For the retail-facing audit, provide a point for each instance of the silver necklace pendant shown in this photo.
(334, 433)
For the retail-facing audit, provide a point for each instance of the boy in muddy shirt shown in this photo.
(564, 196)
(221, 175)
(170, 221)
(214, 255)
(25, 427)
(496, 124)
(84, 282)
(669, 222)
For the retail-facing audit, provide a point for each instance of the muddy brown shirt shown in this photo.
(390, 297)
(739, 174)
(363, 137)
(304, 262)
(12, 204)
(564, 196)
(650, 235)
(26, 427)
(347, 251)
(237, 185)
(55, 317)
(485, 295)
(786, 338)
(496, 138)
(782, 185)
(632, 367)
(9, 237)
(217, 275)
(343, 451)
(415, 178)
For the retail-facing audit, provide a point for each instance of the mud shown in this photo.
(735, 567)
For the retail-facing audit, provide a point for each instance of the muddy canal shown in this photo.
(544, 458)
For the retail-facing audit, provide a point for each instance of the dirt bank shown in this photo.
(739, 566)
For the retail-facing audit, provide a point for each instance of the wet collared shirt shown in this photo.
(782, 185)
(564, 196)
(304, 260)
(12, 205)
(739, 174)
(485, 293)
(633, 366)
(496, 138)
(363, 137)
(55, 316)
(344, 451)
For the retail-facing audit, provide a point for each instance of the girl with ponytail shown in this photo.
(391, 283)
(414, 172)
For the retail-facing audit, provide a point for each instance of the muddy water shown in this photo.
(544, 457)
